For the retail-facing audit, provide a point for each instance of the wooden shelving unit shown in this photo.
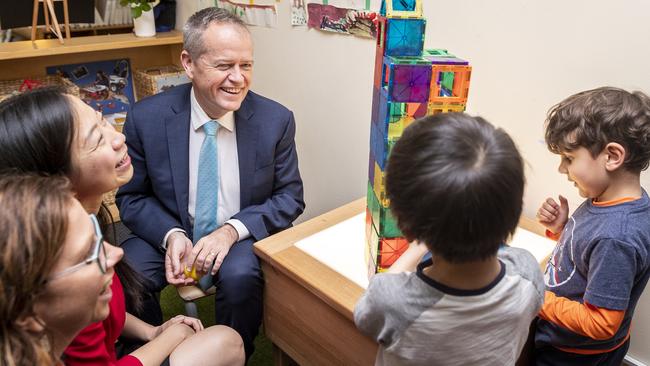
(25, 59)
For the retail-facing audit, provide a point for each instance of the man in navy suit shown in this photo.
(258, 190)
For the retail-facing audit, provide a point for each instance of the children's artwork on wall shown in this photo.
(341, 20)
(298, 13)
(252, 14)
(104, 85)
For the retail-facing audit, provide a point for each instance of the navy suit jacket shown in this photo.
(157, 135)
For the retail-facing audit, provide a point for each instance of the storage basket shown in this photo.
(13, 87)
(157, 79)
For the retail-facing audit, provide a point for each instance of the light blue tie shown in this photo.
(207, 190)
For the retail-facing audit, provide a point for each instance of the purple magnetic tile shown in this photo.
(411, 83)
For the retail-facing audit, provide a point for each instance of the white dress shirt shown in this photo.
(228, 195)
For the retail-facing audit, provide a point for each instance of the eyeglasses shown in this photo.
(98, 255)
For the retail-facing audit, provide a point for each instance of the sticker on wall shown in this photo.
(341, 20)
(252, 14)
(298, 13)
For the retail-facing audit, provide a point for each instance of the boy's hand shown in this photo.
(552, 215)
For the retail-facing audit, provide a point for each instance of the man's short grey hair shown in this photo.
(199, 22)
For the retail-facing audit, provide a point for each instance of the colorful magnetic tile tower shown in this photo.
(409, 83)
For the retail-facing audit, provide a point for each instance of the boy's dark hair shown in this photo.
(594, 118)
(456, 183)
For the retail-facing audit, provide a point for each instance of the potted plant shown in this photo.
(144, 24)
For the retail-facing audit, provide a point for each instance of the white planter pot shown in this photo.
(145, 25)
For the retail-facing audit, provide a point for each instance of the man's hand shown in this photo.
(553, 215)
(179, 248)
(213, 248)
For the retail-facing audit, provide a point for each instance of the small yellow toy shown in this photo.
(191, 273)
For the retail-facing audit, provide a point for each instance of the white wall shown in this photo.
(527, 55)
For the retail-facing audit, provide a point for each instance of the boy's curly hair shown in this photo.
(594, 118)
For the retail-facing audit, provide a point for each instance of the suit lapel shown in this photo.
(178, 141)
(247, 130)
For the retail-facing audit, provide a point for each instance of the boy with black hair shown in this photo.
(455, 184)
(601, 263)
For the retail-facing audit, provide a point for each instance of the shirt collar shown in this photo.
(199, 117)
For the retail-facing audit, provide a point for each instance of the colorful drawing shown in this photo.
(298, 13)
(252, 14)
(341, 20)
(409, 83)
(104, 85)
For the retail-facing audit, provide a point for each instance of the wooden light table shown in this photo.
(308, 306)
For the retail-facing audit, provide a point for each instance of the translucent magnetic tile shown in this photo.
(379, 186)
(401, 8)
(404, 37)
(382, 218)
(390, 249)
(435, 108)
(416, 110)
(446, 84)
(410, 83)
(445, 60)
(396, 129)
(380, 145)
(436, 52)
(450, 84)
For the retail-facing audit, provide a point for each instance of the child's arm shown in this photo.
(610, 277)
(409, 261)
(553, 215)
(585, 319)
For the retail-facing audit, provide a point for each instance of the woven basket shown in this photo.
(157, 79)
(14, 87)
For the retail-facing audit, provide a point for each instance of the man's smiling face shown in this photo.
(222, 74)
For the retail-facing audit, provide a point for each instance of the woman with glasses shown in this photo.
(49, 132)
(55, 270)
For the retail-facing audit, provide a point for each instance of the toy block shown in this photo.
(371, 167)
(401, 8)
(379, 66)
(380, 145)
(382, 218)
(377, 105)
(380, 252)
(407, 79)
(372, 246)
(389, 250)
(404, 37)
(441, 52)
(449, 83)
(435, 108)
(393, 117)
(379, 186)
(382, 26)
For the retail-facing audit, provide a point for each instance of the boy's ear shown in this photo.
(616, 154)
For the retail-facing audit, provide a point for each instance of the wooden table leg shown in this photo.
(282, 359)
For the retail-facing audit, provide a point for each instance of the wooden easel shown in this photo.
(48, 10)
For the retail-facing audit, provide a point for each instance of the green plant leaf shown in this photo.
(124, 2)
(137, 12)
(146, 7)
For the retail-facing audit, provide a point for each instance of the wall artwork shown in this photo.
(298, 12)
(341, 20)
(252, 14)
